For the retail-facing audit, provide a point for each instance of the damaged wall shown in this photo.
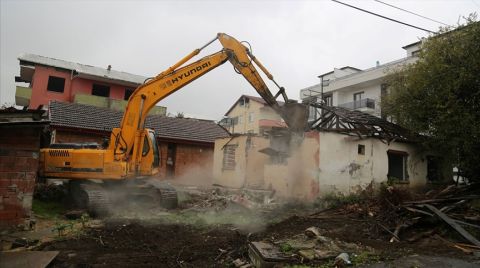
(248, 168)
(298, 177)
(323, 162)
(344, 168)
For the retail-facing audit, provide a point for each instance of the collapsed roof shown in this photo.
(356, 123)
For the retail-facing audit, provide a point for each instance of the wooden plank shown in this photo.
(454, 225)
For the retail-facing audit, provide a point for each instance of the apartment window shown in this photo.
(397, 165)
(328, 100)
(128, 93)
(240, 119)
(361, 149)
(251, 117)
(100, 90)
(56, 84)
(357, 98)
(229, 157)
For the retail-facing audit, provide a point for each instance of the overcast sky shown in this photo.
(295, 40)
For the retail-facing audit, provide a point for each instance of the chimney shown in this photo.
(109, 67)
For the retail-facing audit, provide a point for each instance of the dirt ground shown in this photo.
(213, 229)
(146, 243)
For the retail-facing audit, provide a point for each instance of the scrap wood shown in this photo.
(440, 200)
(446, 209)
(454, 225)
(417, 210)
(386, 229)
(455, 245)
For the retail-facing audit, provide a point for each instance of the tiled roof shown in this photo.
(80, 116)
(83, 68)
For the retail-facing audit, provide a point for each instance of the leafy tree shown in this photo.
(439, 96)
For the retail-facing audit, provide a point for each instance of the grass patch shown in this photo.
(48, 209)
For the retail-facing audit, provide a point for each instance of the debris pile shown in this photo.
(452, 212)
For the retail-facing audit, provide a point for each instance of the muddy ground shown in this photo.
(214, 229)
(125, 242)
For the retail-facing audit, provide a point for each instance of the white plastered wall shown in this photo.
(342, 169)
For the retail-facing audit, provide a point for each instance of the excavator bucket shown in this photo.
(295, 116)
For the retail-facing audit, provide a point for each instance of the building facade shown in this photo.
(357, 89)
(46, 79)
(251, 115)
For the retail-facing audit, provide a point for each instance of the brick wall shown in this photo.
(19, 152)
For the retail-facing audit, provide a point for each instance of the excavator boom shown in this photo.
(147, 95)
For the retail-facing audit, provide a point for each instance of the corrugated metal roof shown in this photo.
(83, 69)
(80, 116)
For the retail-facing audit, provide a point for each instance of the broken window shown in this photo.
(361, 149)
(397, 165)
(100, 90)
(229, 157)
(128, 93)
(56, 84)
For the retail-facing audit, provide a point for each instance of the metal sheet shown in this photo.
(27, 259)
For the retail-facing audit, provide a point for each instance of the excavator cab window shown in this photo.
(156, 155)
(146, 146)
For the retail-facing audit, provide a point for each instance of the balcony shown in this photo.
(23, 95)
(364, 105)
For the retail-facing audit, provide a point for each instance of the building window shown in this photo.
(128, 93)
(357, 99)
(100, 90)
(361, 149)
(251, 117)
(244, 102)
(328, 99)
(229, 157)
(397, 165)
(240, 119)
(56, 84)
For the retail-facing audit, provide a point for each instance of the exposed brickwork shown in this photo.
(19, 152)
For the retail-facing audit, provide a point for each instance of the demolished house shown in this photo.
(345, 151)
(185, 144)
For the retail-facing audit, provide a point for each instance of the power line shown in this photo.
(387, 18)
(411, 12)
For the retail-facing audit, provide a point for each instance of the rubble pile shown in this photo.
(453, 211)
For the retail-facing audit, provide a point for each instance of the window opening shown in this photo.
(229, 157)
(397, 165)
(56, 84)
(100, 90)
(361, 149)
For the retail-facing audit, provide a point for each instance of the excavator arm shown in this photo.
(151, 92)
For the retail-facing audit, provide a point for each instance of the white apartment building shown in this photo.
(357, 89)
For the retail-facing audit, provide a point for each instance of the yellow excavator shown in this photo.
(132, 157)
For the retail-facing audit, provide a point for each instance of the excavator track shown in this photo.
(168, 196)
(99, 199)
(92, 197)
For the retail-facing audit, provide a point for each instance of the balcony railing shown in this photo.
(363, 103)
